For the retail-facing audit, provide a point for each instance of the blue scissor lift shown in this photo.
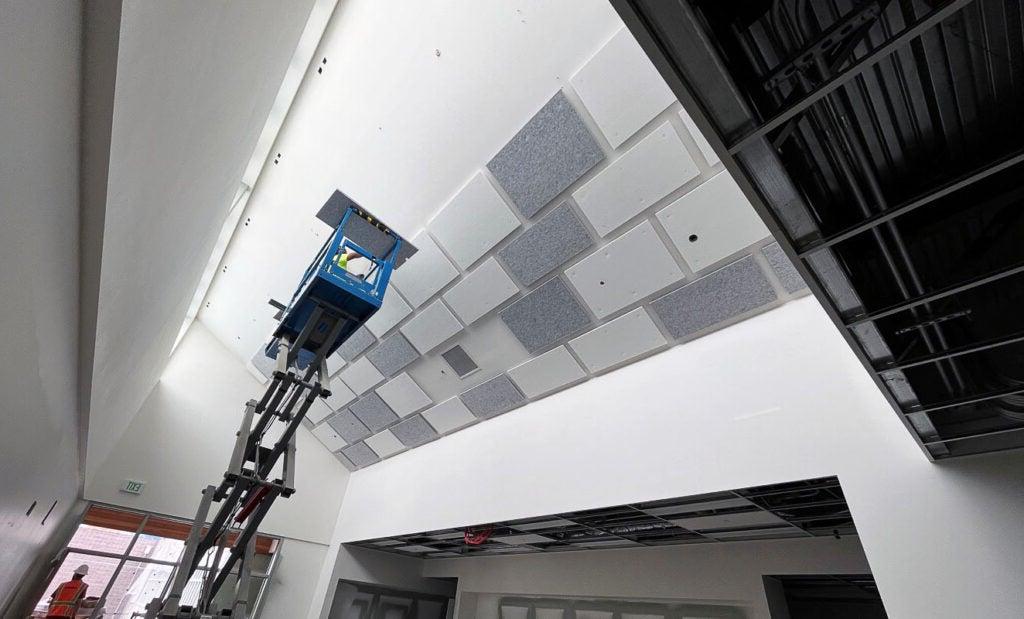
(330, 303)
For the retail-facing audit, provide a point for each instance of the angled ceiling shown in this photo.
(561, 234)
(194, 85)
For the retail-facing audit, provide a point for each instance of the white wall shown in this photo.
(703, 574)
(181, 440)
(39, 80)
(294, 579)
(778, 397)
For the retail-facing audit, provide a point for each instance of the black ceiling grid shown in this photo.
(882, 144)
(810, 508)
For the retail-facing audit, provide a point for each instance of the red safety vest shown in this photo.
(66, 599)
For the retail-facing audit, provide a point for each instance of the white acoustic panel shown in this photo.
(403, 395)
(702, 142)
(384, 443)
(341, 395)
(621, 88)
(391, 312)
(425, 273)
(729, 521)
(431, 326)
(449, 415)
(361, 376)
(646, 173)
(335, 363)
(618, 341)
(487, 287)
(712, 222)
(318, 411)
(330, 439)
(624, 271)
(475, 220)
(546, 373)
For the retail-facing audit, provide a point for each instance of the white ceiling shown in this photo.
(195, 82)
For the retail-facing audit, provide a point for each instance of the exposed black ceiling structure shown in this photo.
(809, 508)
(882, 143)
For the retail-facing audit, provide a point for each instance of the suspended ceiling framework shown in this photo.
(807, 508)
(604, 231)
(880, 141)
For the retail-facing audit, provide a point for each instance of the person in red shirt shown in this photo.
(67, 598)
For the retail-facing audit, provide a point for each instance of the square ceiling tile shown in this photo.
(729, 521)
(318, 411)
(415, 548)
(414, 431)
(773, 533)
(475, 220)
(518, 540)
(479, 292)
(341, 395)
(392, 354)
(264, 364)
(334, 363)
(359, 341)
(550, 153)
(542, 525)
(403, 395)
(621, 88)
(702, 142)
(658, 165)
(788, 276)
(546, 373)
(361, 376)
(714, 298)
(618, 341)
(360, 455)
(492, 398)
(712, 222)
(546, 245)
(425, 273)
(669, 510)
(623, 272)
(348, 426)
(548, 315)
(391, 312)
(384, 444)
(449, 415)
(431, 326)
(373, 412)
(345, 462)
(330, 439)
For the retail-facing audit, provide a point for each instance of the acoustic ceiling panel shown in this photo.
(373, 412)
(425, 273)
(414, 431)
(318, 411)
(548, 315)
(431, 326)
(546, 245)
(522, 538)
(689, 508)
(394, 353)
(263, 364)
(449, 415)
(783, 268)
(702, 142)
(362, 232)
(623, 272)
(360, 455)
(712, 222)
(730, 291)
(345, 462)
(403, 395)
(348, 426)
(550, 153)
(729, 521)
(391, 312)
(384, 444)
(361, 376)
(475, 220)
(618, 341)
(646, 173)
(546, 373)
(356, 343)
(330, 439)
(621, 88)
(768, 533)
(334, 363)
(481, 291)
(494, 397)
(341, 395)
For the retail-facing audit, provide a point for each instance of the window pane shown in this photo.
(89, 537)
(158, 548)
(100, 571)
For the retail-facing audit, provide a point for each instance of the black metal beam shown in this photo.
(967, 400)
(954, 352)
(978, 435)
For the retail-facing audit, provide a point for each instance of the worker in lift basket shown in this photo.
(342, 257)
(66, 598)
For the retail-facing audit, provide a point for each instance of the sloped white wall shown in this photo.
(39, 80)
(778, 397)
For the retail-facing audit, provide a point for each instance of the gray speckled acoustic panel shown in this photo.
(348, 426)
(494, 397)
(548, 244)
(356, 343)
(394, 353)
(730, 291)
(373, 412)
(550, 153)
(365, 234)
(360, 454)
(784, 269)
(548, 315)
(414, 431)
